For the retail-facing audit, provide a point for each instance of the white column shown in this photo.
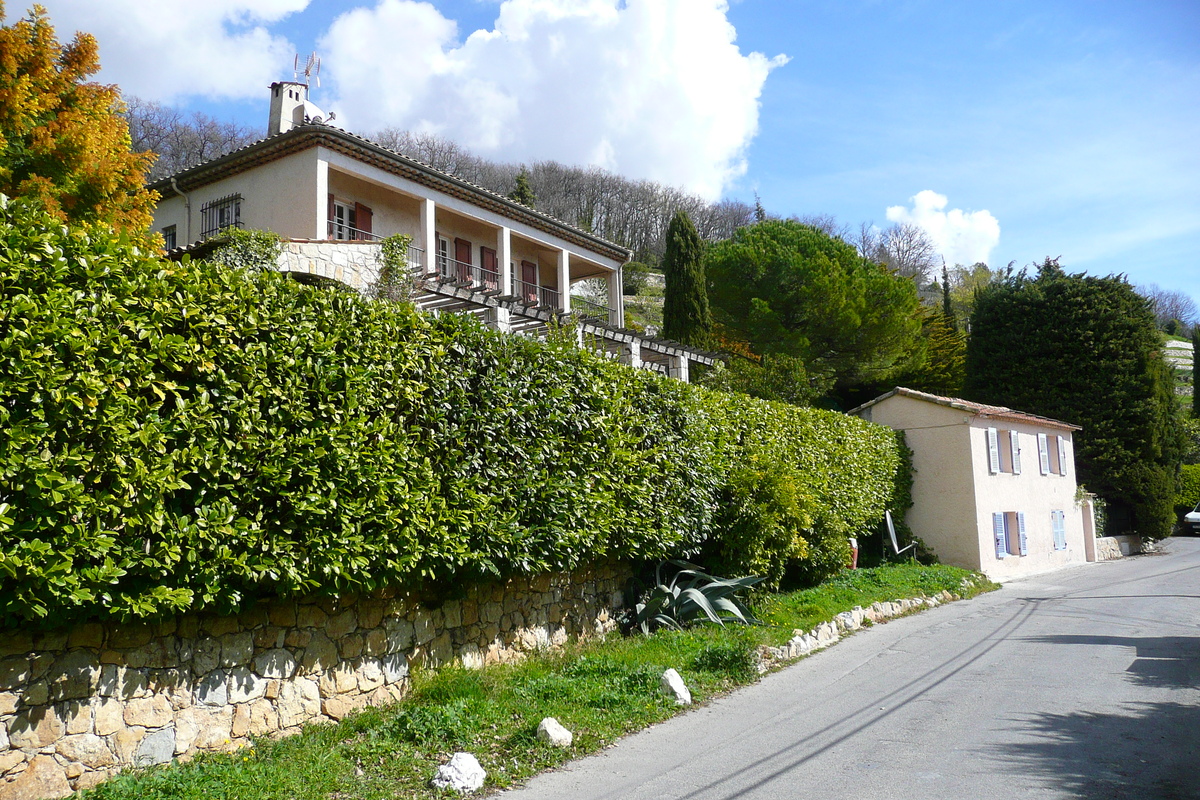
(504, 264)
(429, 233)
(322, 231)
(634, 355)
(679, 368)
(564, 281)
(615, 299)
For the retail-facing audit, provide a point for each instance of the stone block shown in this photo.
(14, 672)
(78, 717)
(185, 730)
(149, 712)
(351, 646)
(253, 618)
(268, 636)
(245, 686)
(395, 667)
(471, 656)
(263, 718)
(671, 684)
(341, 624)
(462, 774)
(90, 780)
(9, 759)
(299, 702)
(236, 649)
(320, 655)
(339, 680)
(339, 707)
(299, 639)
(109, 716)
(35, 728)
(88, 749)
(370, 674)
(74, 675)
(310, 616)
(125, 743)
(277, 663)
(282, 614)
(370, 614)
(212, 726)
(127, 637)
(156, 748)
(400, 634)
(212, 689)
(470, 612)
(375, 643)
(15, 643)
(206, 655)
(43, 778)
(550, 731)
(241, 721)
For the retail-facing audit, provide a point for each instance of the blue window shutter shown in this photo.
(1021, 533)
(1015, 442)
(1044, 453)
(998, 532)
(993, 444)
(1062, 456)
(1058, 521)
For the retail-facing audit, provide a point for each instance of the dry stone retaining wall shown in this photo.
(78, 705)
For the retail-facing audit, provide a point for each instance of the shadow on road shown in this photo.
(1161, 662)
(1148, 753)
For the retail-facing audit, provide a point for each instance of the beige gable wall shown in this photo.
(279, 196)
(943, 488)
(954, 495)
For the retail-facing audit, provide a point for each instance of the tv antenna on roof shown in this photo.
(312, 69)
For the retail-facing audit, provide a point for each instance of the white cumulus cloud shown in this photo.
(167, 50)
(962, 237)
(653, 89)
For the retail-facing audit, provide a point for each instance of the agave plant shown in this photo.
(693, 596)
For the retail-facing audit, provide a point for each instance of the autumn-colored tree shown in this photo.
(63, 141)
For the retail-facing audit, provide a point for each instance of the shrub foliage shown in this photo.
(184, 436)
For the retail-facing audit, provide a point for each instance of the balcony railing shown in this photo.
(534, 295)
(345, 233)
(461, 273)
(587, 309)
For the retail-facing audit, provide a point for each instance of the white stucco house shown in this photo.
(993, 488)
(332, 196)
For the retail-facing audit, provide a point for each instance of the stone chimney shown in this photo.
(290, 107)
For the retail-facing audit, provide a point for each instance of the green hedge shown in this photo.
(184, 436)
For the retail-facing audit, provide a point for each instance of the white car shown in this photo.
(1191, 520)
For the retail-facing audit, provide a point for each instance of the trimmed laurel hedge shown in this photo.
(184, 436)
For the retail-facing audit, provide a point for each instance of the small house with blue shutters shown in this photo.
(993, 488)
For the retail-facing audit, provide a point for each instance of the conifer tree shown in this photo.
(947, 306)
(63, 141)
(1086, 350)
(523, 194)
(686, 316)
(1196, 371)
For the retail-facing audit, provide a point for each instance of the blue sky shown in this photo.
(1029, 129)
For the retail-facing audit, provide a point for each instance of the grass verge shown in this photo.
(599, 690)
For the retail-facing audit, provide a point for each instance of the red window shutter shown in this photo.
(491, 274)
(362, 216)
(462, 254)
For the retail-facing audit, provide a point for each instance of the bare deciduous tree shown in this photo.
(1170, 305)
(180, 140)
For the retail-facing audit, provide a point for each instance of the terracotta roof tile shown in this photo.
(978, 409)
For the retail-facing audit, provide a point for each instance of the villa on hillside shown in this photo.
(332, 196)
(993, 488)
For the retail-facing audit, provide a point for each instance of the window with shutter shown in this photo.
(1022, 542)
(993, 445)
(362, 221)
(1058, 522)
(1014, 442)
(1043, 453)
(1062, 455)
(1000, 535)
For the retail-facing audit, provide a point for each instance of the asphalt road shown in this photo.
(1084, 683)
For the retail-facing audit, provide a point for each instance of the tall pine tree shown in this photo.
(686, 316)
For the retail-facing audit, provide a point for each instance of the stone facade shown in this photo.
(77, 705)
(352, 263)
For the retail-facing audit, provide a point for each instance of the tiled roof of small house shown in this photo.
(976, 409)
(304, 137)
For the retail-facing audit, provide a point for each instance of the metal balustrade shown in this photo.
(341, 232)
(464, 274)
(534, 295)
(587, 309)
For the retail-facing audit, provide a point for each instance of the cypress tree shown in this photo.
(686, 316)
(947, 308)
